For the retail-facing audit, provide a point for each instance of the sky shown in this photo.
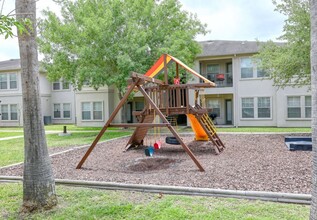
(226, 20)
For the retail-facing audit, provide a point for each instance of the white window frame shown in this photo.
(302, 107)
(8, 81)
(91, 110)
(256, 108)
(61, 107)
(254, 70)
(61, 85)
(308, 106)
(9, 112)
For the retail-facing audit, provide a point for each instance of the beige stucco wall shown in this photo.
(92, 95)
(281, 111)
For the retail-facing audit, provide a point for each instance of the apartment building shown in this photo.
(60, 103)
(244, 95)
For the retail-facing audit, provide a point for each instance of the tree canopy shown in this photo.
(102, 41)
(7, 23)
(289, 62)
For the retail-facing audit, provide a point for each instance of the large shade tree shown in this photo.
(38, 181)
(100, 42)
(289, 63)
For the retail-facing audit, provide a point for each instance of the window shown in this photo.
(8, 81)
(97, 108)
(85, 106)
(92, 110)
(250, 70)
(307, 106)
(256, 107)
(65, 85)
(66, 110)
(57, 110)
(214, 104)
(62, 111)
(299, 107)
(13, 81)
(5, 112)
(264, 107)
(246, 68)
(293, 107)
(247, 108)
(14, 112)
(56, 85)
(61, 85)
(261, 73)
(9, 112)
(3, 81)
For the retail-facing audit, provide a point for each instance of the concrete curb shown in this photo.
(178, 190)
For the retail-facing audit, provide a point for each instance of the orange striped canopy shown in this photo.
(159, 65)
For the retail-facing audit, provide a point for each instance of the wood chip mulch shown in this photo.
(259, 162)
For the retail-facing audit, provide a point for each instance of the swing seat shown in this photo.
(149, 151)
(157, 145)
(172, 140)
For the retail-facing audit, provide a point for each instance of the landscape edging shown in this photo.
(179, 190)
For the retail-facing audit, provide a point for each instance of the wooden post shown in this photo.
(188, 151)
(177, 73)
(113, 115)
(165, 70)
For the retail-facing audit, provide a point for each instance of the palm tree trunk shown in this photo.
(38, 180)
(313, 16)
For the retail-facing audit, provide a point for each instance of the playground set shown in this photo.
(162, 99)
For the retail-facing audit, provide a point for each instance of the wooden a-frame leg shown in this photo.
(188, 151)
(113, 115)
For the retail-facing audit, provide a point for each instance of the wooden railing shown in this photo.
(171, 97)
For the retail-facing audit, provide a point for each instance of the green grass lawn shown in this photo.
(10, 134)
(82, 203)
(59, 128)
(11, 151)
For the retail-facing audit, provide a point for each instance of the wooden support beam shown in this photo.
(165, 71)
(177, 73)
(188, 151)
(112, 116)
(146, 78)
(138, 125)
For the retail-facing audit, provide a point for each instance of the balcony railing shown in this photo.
(221, 79)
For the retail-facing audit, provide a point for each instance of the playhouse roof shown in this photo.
(159, 66)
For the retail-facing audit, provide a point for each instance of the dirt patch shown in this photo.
(258, 162)
(151, 163)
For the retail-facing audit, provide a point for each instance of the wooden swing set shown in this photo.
(163, 99)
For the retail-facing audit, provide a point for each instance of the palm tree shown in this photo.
(38, 181)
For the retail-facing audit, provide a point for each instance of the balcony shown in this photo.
(221, 79)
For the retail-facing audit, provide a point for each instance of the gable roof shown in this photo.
(226, 47)
(13, 64)
(158, 67)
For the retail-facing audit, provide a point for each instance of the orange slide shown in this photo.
(199, 131)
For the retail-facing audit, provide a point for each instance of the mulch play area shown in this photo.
(258, 162)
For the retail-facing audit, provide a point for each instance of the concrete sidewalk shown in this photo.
(21, 136)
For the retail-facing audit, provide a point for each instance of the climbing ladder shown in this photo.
(210, 129)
